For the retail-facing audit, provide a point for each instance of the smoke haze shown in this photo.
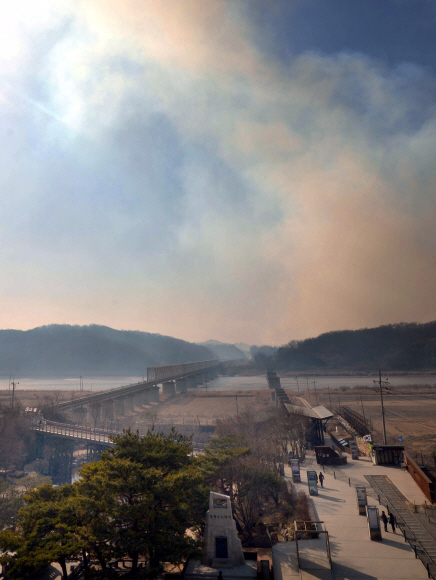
(182, 167)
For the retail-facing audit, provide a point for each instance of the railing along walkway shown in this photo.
(414, 532)
(74, 432)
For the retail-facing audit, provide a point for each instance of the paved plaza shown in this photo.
(354, 555)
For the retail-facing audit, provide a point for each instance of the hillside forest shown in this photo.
(394, 347)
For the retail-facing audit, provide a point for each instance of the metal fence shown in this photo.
(172, 371)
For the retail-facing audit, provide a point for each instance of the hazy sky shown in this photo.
(249, 170)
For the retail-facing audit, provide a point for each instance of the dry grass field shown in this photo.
(410, 412)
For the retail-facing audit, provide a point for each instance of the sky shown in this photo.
(244, 170)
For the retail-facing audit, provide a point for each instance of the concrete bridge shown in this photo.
(114, 402)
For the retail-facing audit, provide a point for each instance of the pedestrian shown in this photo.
(321, 478)
(384, 519)
(392, 522)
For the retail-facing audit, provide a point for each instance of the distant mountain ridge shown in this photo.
(224, 351)
(65, 350)
(393, 347)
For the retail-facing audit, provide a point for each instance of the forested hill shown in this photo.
(63, 350)
(402, 347)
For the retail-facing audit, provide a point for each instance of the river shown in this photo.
(226, 383)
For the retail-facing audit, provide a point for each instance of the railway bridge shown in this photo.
(114, 402)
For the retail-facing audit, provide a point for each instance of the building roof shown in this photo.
(315, 412)
(322, 412)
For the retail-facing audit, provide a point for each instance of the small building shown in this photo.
(387, 454)
(327, 456)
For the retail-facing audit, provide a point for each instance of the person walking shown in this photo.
(392, 522)
(384, 519)
(321, 479)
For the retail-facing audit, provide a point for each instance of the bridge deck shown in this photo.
(156, 376)
(75, 432)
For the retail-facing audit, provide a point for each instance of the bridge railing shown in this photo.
(74, 431)
(171, 371)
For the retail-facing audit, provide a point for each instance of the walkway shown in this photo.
(354, 555)
(76, 432)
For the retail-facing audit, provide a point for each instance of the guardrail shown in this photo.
(74, 431)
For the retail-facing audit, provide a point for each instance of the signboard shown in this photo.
(373, 523)
(295, 467)
(361, 499)
(312, 482)
(354, 450)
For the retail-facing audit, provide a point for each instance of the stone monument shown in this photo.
(223, 547)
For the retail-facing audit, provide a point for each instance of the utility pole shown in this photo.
(237, 411)
(382, 385)
(308, 389)
(316, 393)
(298, 386)
(330, 399)
(13, 383)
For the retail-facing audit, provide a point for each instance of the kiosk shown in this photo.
(361, 499)
(295, 467)
(373, 523)
(312, 482)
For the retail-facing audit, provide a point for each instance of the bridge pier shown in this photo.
(200, 378)
(119, 406)
(191, 382)
(154, 395)
(108, 411)
(61, 462)
(145, 397)
(129, 402)
(181, 385)
(94, 413)
(169, 388)
(138, 400)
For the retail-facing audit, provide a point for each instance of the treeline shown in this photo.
(393, 347)
(64, 350)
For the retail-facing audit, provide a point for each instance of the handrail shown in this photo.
(74, 431)
(317, 531)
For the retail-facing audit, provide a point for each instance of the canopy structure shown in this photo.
(319, 417)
